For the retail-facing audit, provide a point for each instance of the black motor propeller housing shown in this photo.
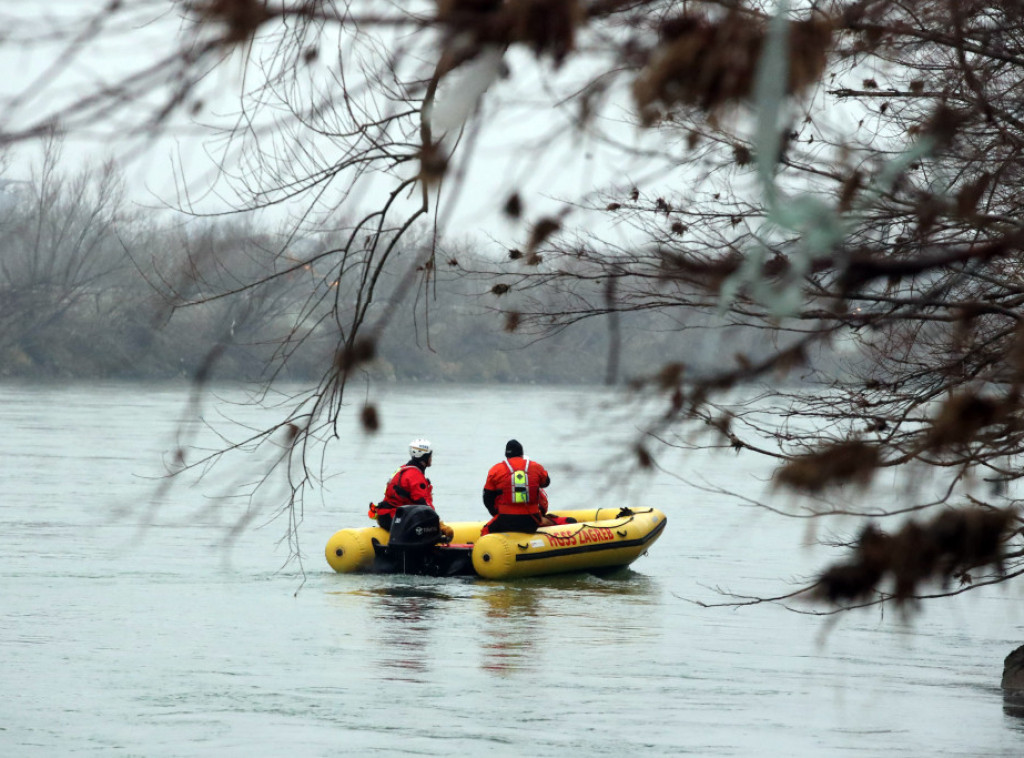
(413, 547)
(415, 526)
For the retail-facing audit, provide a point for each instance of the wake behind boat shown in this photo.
(601, 538)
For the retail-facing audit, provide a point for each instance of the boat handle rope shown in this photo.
(626, 520)
(524, 546)
(591, 526)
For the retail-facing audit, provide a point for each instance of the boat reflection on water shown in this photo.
(514, 627)
(405, 619)
(419, 626)
(1013, 703)
(524, 616)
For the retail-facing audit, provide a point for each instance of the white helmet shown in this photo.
(420, 448)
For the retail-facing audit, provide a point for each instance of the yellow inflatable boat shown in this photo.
(600, 538)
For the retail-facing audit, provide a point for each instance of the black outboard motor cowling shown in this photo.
(415, 526)
(413, 547)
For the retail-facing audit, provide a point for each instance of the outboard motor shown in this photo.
(415, 526)
(413, 547)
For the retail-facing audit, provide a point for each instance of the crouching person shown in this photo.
(408, 486)
(514, 494)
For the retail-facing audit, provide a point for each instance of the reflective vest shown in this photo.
(523, 495)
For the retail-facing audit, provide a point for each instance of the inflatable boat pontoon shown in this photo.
(601, 538)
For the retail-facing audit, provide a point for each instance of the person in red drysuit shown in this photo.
(407, 486)
(514, 495)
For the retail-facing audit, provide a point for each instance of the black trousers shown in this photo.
(514, 523)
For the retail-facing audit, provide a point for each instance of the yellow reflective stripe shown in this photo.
(520, 482)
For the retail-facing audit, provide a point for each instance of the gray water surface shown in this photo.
(131, 627)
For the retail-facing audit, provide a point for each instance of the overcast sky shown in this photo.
(522, 141)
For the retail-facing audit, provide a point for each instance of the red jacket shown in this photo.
(498, 489)
(408, 486)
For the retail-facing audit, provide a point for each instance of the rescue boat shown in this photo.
(600, 538)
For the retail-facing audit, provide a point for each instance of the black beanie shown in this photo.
(513, 449)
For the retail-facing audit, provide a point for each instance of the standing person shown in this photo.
(512, 493)
(407, 486)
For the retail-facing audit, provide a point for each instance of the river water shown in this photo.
(135, 622)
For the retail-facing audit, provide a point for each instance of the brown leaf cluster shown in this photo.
(670, 375)
(942, 125)
(843, 462)
(687, 267)
(291, 432)
(539, 233)
(242, 18)
(962, 417)
(970, 195)
(644, 459)
(433, 163)
(548, 27)
(949, 545)
(352, 355)
(848, 193)
(513, 206)
(708, 63)
(369, 418)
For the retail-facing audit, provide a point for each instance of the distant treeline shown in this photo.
(89, 290)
